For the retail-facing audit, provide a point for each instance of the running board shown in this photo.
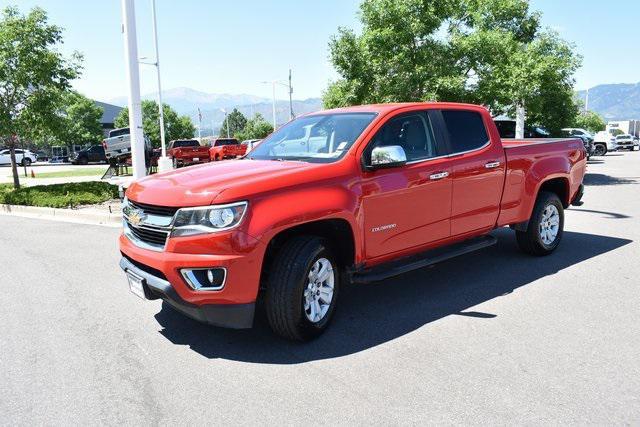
(425, 259)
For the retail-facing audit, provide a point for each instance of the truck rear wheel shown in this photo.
(302, 289)
(545, 227)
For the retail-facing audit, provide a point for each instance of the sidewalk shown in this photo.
(107, 214)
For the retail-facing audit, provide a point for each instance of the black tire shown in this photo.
(83, 161)
(25, 162)
(600, 150)
(530, 241)
(287, 281)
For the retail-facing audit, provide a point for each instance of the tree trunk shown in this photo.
(14, 166)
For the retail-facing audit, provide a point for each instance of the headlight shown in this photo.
(208, 219)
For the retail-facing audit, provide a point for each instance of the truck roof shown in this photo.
(386, 108)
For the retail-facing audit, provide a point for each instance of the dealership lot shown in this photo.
(493, 337)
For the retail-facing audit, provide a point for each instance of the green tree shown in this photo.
(175, 126)
(490, 52)
(32, 74)
(235, 121)
(590, 121)
(80, 118)
(256, 128)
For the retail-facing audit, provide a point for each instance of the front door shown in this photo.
(407, 206)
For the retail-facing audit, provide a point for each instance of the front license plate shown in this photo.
(135, 285)
(195, 159)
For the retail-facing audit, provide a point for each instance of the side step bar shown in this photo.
(414, 262)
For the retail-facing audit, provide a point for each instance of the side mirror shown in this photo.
(391, 156)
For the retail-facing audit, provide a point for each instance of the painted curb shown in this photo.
(84, 216)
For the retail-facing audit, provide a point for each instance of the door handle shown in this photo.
(492, 165)
(439, 175)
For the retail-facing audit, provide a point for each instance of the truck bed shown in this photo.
(512, 142)
(529, 159)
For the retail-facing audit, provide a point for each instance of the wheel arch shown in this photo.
(559, 186)
(337, 231)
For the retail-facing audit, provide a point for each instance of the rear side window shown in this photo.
(466, 130)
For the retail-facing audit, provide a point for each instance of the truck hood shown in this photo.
(200, 185)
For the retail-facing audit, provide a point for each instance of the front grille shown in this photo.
(151, 237)
(154, 210)
(152, 271)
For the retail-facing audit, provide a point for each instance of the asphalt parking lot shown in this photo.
(495, 337)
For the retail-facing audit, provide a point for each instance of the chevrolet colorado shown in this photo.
(352, 195)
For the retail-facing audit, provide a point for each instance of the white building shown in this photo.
(631, 127)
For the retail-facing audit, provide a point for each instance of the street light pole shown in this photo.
(164, 163)
(273, 87)
(290, 97)
(133, 79)
(226, 119)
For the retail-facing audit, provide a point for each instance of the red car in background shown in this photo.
(186, 152)
(226, 148)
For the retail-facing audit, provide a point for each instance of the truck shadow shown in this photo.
(370, 315)
(602, 179)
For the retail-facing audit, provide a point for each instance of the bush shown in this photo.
(59, 195)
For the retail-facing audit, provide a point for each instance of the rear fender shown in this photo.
(543, 170)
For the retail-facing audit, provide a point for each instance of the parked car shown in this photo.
(42, 156)
(507, 129)
(388, 191)
(187, 152)
(604, 142)
(119, 144)
(23, 157)
(226, 148)
(586, 137)
(92, 154)
(624, 142)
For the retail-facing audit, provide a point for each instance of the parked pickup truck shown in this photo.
(187, 152)
(226, 148)
(373, 192)
(118, 145)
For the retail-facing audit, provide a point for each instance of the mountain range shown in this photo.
(614, 101)
(186, 101)
(611, 101)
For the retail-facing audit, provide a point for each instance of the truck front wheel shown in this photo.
(600, 150)
(545, 227)
(302, 288)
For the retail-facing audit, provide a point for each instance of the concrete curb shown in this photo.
(83, 216)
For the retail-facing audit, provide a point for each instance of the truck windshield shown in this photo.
(321, 138)
(221, 142)
(186, 143)
(118, 132)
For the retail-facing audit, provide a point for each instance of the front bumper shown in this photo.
(235, 316)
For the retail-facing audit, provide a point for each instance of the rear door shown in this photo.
(409, 206)
(478, 171)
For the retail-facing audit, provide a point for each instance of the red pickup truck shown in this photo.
(186, 152)
(226, 148)
(355, 195)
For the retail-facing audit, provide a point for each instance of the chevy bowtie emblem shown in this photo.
(136, 217)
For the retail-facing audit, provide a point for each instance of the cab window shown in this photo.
(413, 132)
(465, 129)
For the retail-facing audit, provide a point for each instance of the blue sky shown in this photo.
(231, 46)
